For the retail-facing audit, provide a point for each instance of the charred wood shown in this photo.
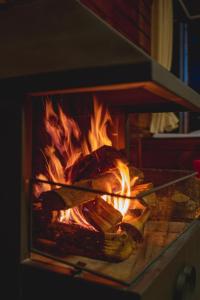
(72, 239)
(95, 163)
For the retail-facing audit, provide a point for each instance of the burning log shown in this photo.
(139, 188)
(72, 239)
(64, 198)
(110, 180)
(135, 226)
(101, 215)
(95, 163)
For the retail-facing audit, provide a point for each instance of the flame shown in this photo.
(97, 136)
(98, 133)
(62, 153)
(74, 215)
(123, 177)
(62, 129)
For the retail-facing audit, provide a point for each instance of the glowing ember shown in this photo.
(62, 153)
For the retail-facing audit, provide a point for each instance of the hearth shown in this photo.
(94, 216)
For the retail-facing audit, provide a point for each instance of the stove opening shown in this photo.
(90, 207)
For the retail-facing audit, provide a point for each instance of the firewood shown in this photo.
(135, 172)
(72, 239)
(64, 198)
(101, 215)
(45, 245)
(135, 226)
(139, 188)
(40, 221)
(111, 178)
(95, 163)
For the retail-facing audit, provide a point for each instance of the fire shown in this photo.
(64, 152)
(123, 177)
(62, 129)
(97, 135)
(121, 204)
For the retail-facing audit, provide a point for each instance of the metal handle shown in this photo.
(185, 283)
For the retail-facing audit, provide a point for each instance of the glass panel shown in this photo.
(90, 208)
(172, 209)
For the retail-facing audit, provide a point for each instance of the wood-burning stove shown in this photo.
(170, 235)
(43, 274)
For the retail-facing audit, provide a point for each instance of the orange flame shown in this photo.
(98, 133)
(61, 128)
(123, 177)
(97, 136)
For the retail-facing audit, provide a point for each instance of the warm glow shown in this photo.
(63, 130)
(123, 177)
(97, 136)
(74, 216)
(99, 122)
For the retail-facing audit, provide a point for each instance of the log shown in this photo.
(40, 221)
(101, 215)
(45, 245)
(101, 181)
(72, 239)
(135, 226)
(139, 188)
(95, 163)
(64, 198)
